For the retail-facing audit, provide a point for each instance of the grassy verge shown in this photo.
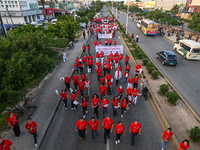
(62, 43)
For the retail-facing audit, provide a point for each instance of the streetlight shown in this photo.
(116, 9)
(127, 18)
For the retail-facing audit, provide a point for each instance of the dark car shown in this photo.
(167, 58)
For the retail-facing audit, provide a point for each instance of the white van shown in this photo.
(189, 49)
(139, 24)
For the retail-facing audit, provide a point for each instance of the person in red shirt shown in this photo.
(128, 68)
(108, 77)
(135, 93)
(104, 68)
(84, 60)
(102, 90)
(84, 104)
(100, 42)
(75, 79)
(87, 87)
(81, 67)
(13, 123)
(130, 82)
(67, 82)
(90, 64)
(108, 60)
(82, 128)
(97, 36)
(81, 86)
(88, 48)
(138, 68)
(106, 42)
(5, 144)
(98, 71)
(120, 59)
(116, 54)
(75, 67)
(107, 125)
(73, 99)
(84, 48)
(115, 42)
(84, 34)
(102, 80)
(109, 87)
(94, 126)
(83, 77)
(64, 97)
(184, 145)
(102, 56)
(109, 67)
(97, 56)
(135, 129)
(95, 104)
(129, 94)
(110, 42)
(111, 56)
(120, 92)
(105, 104)
(31, 127)
(98, 64)
(119, 67)
(166, 137)
(135, 83)
(119, 129)
(115, 105)
(90, 57)
(126, 76)
(126, 59)
(95, 43)
(123, 105)
(116, 59)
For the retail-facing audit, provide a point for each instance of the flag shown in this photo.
(57, 92)
(62, 78)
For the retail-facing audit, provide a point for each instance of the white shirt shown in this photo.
(116, 75)
(87, 84)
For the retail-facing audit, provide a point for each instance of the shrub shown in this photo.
(134, 44)
(195, 134)
(149, 65)
(145, 61)
(172, 97)
(155, 74)
(164, 88)
(129, 39)
(150, 70)
(139, 55)
(137, 50)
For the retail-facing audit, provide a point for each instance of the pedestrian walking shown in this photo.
(105, 104)
(84, 34)
(130, 82)
(31, 127)
(129, 93)
(127, 68)
(118, 75)
(81, 125)
(120, 59)
(102, 80)
(84, 49)
(5, 144)
(81, 87)
(98, 71)
(109, 87)
(184, 145)
(95, 104)
(143, 82)
(126, 76)
(126, 59)
(13, 123)
(97, 56)
(120, 92)
(102, 90)
(107, 125)
(100, 42)
(197, 38)
(138, 68)
(190, 36)
(73, 100)
(110, 42)
(106, 42)
(90, 64)
(109, 67)
(124, 105)
(135, 83)
(115, 105)
(132, 36)
(81, 67)
(87, 87)
(102, 57)
(97, 36)
(135, 129)
(88, 32)
(119, 130)
(64, 97)
(88, 48)
(115, 42)
(67, 82)
(84, 104)
(166, 137)
(75, 78)
(65, 56)
(135, 93)
(94, 127)
(111, 56)
(116, 59)
(98, 64)
(137, 38)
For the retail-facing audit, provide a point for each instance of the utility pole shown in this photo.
(3, 27)
(112, 6)
(9, 14)
(116, 10)
(127, 18)
(95, 5)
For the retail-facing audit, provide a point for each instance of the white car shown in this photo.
(38, 23)
(105, 21)
(139, 24)
(53, 21)
(82, 24)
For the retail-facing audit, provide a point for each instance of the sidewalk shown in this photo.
(46, 101)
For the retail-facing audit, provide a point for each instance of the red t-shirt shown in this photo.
(12, 120)
(100, 42)
(104, 103)
(128, 91)
(88, 46)
(101, 54)
(108, 60)
(135, 128)
(73, 97)
(81, 85)
(90, 62)
(6, 145)
(83, 77)
(120, 68)
(120, 57)
(138, 67)
(90, 57)
(67, 80)
(107, 123)
(183, 146)
(84, 103)
(84, 47)
(102, 80)
(93, 125)
(120, 90)
(123, 103)
(115, 42)
(116, 55)
(81, 125)
(97, 55)
(31, 126)
(135, 80)
(109, 66)
(115, 102)
(127, 67)
(75, 78)
(99, 70)
(167, 135)
(64, 95)
(103, 90)
(104, 65)
(111, 55)
(119, 129)
(106, 41)
(95, 102)
(116, 60)
(126, 59)
(109, 83)
(108, 77)
(130, 80)
(98, 64)
(134, 92)
(126, 75)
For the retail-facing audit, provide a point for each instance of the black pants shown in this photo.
(16, 129)
(96, 111)
(84, 110)
(75, 85)
(73, 105)
(98, 78)
(108, 71)
(34, 136)
(90, 67)
(118, 136)
(104, 72)
(106, 133)
(65, 102)
(117, 81)
(106, 44)
(135, 85)
(122, 110)
(67, 86)
(137, 40)
(81, 70)
(81, 133)
(132, 137)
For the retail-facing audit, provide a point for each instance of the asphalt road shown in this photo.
(185, 76)
(61, 133)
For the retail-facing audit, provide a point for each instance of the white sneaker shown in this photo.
(121, 116)
(71, 108)
(65, 107)
(162, 149)
(84, 116)
(124, 111)
(35, 145)
(74, 108)
(116, 142)
(86, 111)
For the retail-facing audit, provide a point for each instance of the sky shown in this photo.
(140, 0)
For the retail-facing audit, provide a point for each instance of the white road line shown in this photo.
(107, 145)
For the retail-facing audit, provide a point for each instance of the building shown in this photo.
(20, 11)
(149, 5)
(167, 4)
(194, 6)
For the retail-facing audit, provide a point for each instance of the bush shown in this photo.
(155, 74)
(195, 134)
(129, 39)
(150, 70)
(137, 50)
(145, 61)
(172, 97)
(134, 44)
(139, 55)
(164, 88)
(149, 65)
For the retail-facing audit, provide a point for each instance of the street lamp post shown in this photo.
(127, 18)
(116, 10)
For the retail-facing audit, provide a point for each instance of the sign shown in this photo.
(32, 12)
(108, 49)
(105, 36)
(70, 6)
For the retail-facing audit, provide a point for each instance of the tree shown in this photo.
(195, 23)
(175, 9)
(154, 15)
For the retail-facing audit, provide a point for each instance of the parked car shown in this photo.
(139, 24)
(37, 23)
(82, 24)
(167, 58)
(45, 21)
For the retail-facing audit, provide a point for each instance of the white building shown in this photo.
(21, 11)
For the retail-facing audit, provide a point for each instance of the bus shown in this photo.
(149, 27)
(189, 49)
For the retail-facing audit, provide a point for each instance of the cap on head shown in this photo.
(108, 116)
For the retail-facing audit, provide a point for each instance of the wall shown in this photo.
(29, 4)
(16, 20)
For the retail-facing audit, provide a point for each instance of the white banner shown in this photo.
(108, 49)
(105, 36)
